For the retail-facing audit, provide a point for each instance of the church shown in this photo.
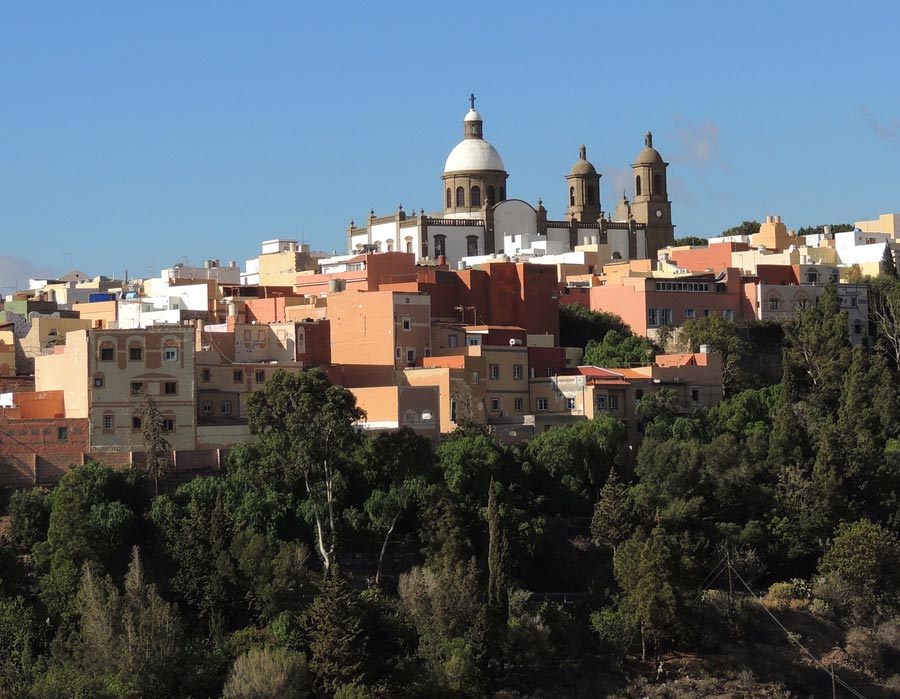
(479, 220)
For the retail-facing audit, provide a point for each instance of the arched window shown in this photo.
(460, 196)
(491, 195)
(440, 247)
(503, 194)
(571, 196)
(475, 197)
(637, 186)
(471, 245)
(390, 245)
(657, 184)
(409, 243)
(449, 198)
(590, 195)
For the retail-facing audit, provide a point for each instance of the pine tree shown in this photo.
(156, 446)
(335, 635)
(498, 563)
(611, 524)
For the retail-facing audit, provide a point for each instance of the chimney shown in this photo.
(705, 349)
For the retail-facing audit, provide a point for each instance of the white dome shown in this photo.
(472, 115)
(473, 154)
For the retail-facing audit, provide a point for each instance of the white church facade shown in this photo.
(479, 221)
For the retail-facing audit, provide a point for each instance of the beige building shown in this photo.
(395, 407)
(885, 223)
(106, 374)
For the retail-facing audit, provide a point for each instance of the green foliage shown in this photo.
(722, 336)
(153, 434)
(862, 570)
(267, 673)
(20, 637)
(309, 423)
(745, 228)
(334, 633)
(820, 229)
(620, 350)
(888, 265)
(692, 240)
(579, 325)
(29, 515)
(611, 523)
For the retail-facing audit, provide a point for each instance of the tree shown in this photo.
(692, 240)
(611, 523)
(579, 325)
(746, 228)
(722, 336)
(884, 307)
(134, 637)
(820, 229)
(310, 423)
(336, 643)
(819, 348)
(864, 560)
(618, 350)
(156, 446)
(267, 673)
(402, 462)
(888, 266)
(29, 516)
(642, 571)
(498, 565)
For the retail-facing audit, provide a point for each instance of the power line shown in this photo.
(794, 639)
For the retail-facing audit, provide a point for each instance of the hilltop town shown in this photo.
(431, 320)
(480, 453)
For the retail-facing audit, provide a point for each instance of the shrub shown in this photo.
(267, 673)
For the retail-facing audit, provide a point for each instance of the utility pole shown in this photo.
(730, 579)
(833, 683)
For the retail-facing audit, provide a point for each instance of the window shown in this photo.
(136, 422)
(517, 372)
(136, 387)
(571, 196)
(471, 245)
(638, 393)
(637, 186)
(494, 371)
(449, 198)
(695, 394)
(409, 246)
(666, 316)
(503, 194)
(453, 341)
(495, 404)
(453, 410)
(206, 407)
(657, 184)
(706, 313)
(398, 352)
(206, 375)
(475, 377)
(653, 317)
(260, 376)
(170, 388)
(857, 327)
(170, 354)
(491, 194)
(689, 314)
(600, 402)
(518, 405)
(407, 323)
(590, 195)
(226, 407)
(728, 314)
(108, 422)
(440, 245)
(410, 355)
(62, 434)
(238, 375)
(475, 196)
(613, 402)
(135, 354)
(107, 354)
(542, 404)
(168, 424)
(773, 303)
(460, 196)
(98, 382)
(570, 404)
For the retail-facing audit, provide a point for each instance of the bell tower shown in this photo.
(583, 190)
(650, 204)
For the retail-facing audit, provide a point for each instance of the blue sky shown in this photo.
(142, 134)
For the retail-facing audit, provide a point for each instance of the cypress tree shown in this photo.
(610, 524)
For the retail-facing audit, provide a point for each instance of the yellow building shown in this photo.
(885, 223)
(105, 376)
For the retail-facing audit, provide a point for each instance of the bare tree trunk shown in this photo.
(320, 533)
(643, 643)
(384, 548)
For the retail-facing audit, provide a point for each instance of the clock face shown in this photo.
(658, 213)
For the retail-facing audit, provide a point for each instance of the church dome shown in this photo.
(472, 115)
(583, 166)
(649, 156)
(473, 154)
